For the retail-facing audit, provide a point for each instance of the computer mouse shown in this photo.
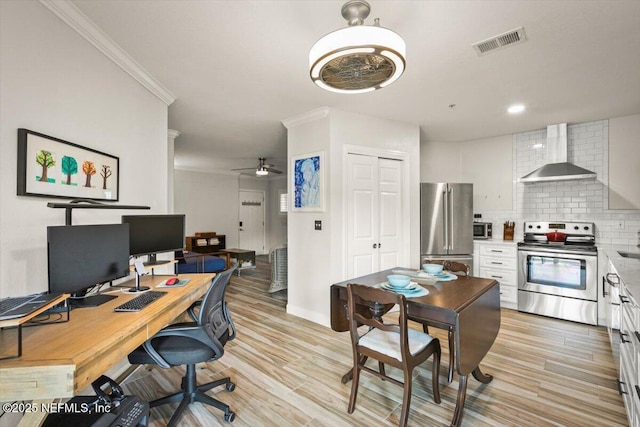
(171, 281)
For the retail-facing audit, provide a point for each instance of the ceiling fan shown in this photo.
(262, 169)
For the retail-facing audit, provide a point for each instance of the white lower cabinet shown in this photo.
(629, 355)
(499, 261)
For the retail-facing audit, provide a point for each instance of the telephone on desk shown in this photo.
(110, 408)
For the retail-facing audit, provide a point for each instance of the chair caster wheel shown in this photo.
(230, 387)
(230, 417)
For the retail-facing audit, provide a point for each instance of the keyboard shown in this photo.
(12, 308)
(140, 302)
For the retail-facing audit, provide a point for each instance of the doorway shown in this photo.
(251, 230)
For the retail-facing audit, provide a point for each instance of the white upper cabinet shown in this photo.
(624, 162)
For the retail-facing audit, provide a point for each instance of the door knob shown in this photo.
(375, 246)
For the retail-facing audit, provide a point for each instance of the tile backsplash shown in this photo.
(578, 200)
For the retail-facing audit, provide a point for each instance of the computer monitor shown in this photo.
(82, 256)
(152, 234)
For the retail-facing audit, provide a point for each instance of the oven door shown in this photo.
(562, 274)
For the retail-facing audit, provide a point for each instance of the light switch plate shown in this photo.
(318, 225)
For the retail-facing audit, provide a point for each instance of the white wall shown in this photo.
(277, 222)
(309, 251)
(440, 162)
(209, 201)
(493, 185)
(316, 259)
(54, 82)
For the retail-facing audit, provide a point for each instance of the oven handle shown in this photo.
(604, 286)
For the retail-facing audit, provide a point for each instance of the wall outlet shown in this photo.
(620, 225)
(317, 225)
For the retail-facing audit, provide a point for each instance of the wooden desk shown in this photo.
(470, 305)
(60, 360)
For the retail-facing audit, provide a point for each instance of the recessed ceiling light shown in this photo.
(515, 109)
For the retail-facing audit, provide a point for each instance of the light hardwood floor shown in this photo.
(287, 373)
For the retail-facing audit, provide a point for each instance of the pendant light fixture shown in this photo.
(359, 58)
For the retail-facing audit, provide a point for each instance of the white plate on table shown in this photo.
(444, 277)
(413, 290)
(410, 287)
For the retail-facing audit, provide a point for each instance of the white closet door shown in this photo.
(374, 208)
(390, 213)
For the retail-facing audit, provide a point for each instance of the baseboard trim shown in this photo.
(309, 315)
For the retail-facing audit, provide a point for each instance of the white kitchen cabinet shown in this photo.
(476, 258)
(624, 162)
(498, 260)
(629, 359)
(629, 352)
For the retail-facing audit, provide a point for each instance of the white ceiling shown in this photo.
(238, 68)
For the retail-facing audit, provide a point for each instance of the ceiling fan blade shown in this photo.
(272, 170)
(244, 169)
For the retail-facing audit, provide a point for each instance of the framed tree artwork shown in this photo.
(52, 167)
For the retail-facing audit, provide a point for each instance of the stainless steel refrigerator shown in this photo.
(446, 222)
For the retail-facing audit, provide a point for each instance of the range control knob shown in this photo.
(586, 227)
(576, 228)
(530, 226)
(538, 227)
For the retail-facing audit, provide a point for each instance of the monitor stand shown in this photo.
(91, 301)
(153, 260)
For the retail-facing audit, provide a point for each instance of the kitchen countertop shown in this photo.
(496, 241)
(628, 268)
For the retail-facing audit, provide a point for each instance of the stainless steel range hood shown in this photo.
(557, 168)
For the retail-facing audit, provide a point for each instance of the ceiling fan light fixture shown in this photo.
(359, 58)
(262, 172)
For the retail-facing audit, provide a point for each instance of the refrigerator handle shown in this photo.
(451, 228)
(445, 205)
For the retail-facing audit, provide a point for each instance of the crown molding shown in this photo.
(173, 134)
(199, 169)
(78, 21)
(317, 114)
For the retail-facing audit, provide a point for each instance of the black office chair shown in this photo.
(194, 342)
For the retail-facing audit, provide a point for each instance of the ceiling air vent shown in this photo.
(500, 41)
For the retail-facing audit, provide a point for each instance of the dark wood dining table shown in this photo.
(470, 305)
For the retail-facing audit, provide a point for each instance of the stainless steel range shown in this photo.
(557, 271)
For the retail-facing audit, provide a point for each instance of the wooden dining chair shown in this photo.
(389, 343)
(460, 269)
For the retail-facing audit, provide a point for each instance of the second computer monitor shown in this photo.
(152, 234)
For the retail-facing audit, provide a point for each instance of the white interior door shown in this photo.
(390, 208)
(362, 214)
(252, 230)
(374, 214)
